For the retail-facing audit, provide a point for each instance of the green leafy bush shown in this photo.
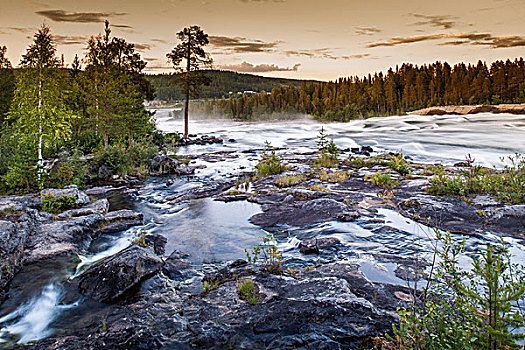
(53, 205)
(459, 309)
(507, 185)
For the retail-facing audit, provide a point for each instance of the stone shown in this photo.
(110, 278)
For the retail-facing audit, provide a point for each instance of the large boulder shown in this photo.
(110, 278)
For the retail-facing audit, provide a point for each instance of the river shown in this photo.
(41, 301)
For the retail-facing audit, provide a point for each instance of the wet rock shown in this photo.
(177, 267)
(56, 237)
(70, 191)
(232, 197)
(104, 191)
(13, 237)
(163, 164)
(320, 309)
(110, 278)
(301, 213)
(313, 246)
(100, 206)
(119, 220)
(158, 242)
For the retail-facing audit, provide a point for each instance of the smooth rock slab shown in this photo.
(110, 278)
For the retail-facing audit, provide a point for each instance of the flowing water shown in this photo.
(42, 299)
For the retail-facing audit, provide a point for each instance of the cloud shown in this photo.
(460, 39)
(246, 67)
(123, 26)
(160, 41)
(240, 45)
(142, 47)
(367, 30)
(77, 17)
(359, 55)
(319, 53)
(447, 22)
(69, 39)
(17, 29)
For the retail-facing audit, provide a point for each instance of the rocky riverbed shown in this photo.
(350, 249)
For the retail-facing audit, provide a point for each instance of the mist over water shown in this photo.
(429, 139)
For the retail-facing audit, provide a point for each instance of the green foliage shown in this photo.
(247, 291)
(506, 185)
(7, 83)
(325, 160)
(399, 164)
(270, 163)
(268, 253)
(140, 238)
(289, 180)
(72, 170)
(383, 180)
(22, 173)
(466, 309)
(51, 204)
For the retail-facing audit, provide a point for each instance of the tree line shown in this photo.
(409, 87)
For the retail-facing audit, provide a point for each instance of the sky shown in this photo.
(301, 39)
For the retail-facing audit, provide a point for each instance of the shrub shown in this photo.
(289, 180)
(270, 163)
(506, 185)
(328, 152)
(53, 205)
(399, 164)
(383, 180)
(361, 162)
(466, 309)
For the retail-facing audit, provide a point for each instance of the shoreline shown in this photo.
(470, 109)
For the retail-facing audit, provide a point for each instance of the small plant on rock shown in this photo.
(383, 180)
(328, 152)
(247, 291)
(268, 254)
(270, 163)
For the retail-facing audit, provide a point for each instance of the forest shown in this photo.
(222, 83)
(405, 88)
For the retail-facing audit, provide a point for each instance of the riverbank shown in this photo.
(471, 109)
(322, 294)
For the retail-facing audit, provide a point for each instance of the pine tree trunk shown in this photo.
(187, 103)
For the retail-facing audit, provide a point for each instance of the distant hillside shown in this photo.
(223, 82)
